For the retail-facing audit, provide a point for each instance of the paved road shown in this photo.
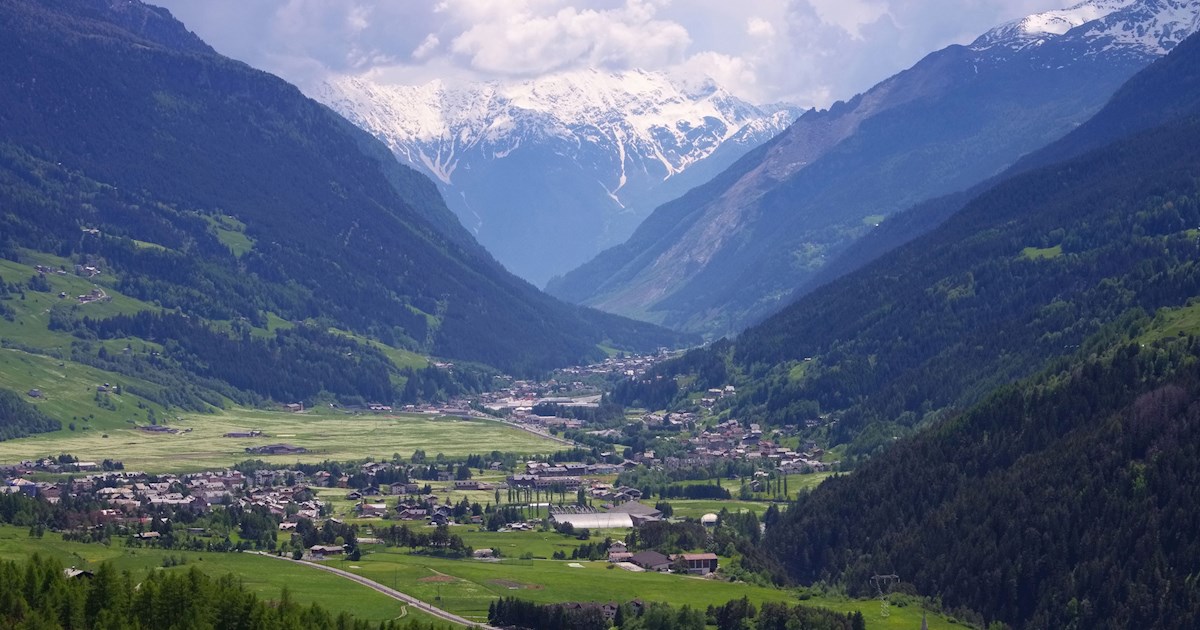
(390, 592)
(542, 434)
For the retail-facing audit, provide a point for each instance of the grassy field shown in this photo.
(695, 508)
(231, 232)
(266, 577)
(466, 587)
(326, 434)
(401, 358)
(1042, 253)
(68, 393)
(1173, 322)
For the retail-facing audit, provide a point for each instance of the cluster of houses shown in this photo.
(47, 464)
(714, 395)
(95, 295)
(427, 510)
(129, 496)
(568, 476)
(520, 397)
(731, 441)
(673, 420)
(630, 366)
(614, 495)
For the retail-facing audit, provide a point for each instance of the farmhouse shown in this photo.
(413, 514)
(372, 510)
(651, 561)
(701, 563)
(326, 550)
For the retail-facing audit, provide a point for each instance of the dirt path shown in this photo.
(390, 592)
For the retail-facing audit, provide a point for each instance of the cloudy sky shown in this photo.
(809, 52)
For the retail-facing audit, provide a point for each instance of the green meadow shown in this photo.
(466, 587)
(327, 434)
(266, 577)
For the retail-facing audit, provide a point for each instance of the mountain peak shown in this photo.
(631, 104)
(1144, 27)
(571, 161)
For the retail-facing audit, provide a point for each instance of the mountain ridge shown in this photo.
(957, 117)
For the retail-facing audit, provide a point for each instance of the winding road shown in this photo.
(390, 592)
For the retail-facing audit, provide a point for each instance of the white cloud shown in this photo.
(427, 46)
(807, 51)
(760, 28)
(850, 15)
(526, 38)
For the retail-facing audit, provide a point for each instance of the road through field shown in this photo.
(540, 434)
(390, 592)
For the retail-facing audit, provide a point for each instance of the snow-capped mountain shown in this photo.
(736, 249)
(1133, 27)
(549, 171)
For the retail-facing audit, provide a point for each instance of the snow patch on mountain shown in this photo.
(630, 114)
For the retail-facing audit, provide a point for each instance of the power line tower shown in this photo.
(883, 585)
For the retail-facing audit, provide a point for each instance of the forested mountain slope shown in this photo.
(1025, 272)
(735, 250)
(200, 185)
(1165, 90)
(1045, 339)
(1066, 501)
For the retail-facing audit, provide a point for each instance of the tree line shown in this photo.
(38, 594)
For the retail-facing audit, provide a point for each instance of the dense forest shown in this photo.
(1066, 501)
(19, 418)
(294, 364)
(38, 595)
(737, 614)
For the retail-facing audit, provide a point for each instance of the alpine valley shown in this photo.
(255, 374)
(547, 172)
(739, 247)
